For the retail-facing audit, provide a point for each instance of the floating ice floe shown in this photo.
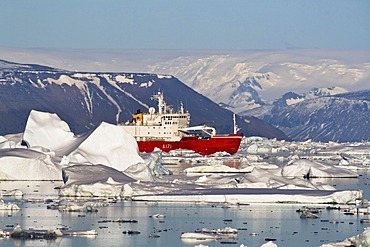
(269, 244)
(15, 193)
(217, 169)
(255, 195)
(11, 141)
(210, 234)
(8, 206)
(69, 206)
(308, 215)
(26, 164)
(315, 169)
(158, 216)
(106, 162)
(360, 240)
(100, 180)
(18, 233)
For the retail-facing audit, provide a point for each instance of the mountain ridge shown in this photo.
(340, 117)
(85, 99)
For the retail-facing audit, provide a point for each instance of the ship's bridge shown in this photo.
(162, 125)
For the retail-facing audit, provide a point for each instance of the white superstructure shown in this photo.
(162, 125)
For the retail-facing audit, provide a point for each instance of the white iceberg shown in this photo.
(89, 174)
(47, 130)
(26, 164)
(108, 145)
(11, 141)
(269, 244)
(94, 181)
(253, 195)
(200, 236)
(315, 169)
(51, 145)
(106, 162)
(8, 206)
(69, 206)
(217, 169)
(360, 240)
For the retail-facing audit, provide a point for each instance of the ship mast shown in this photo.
(162, 107)
(236, 128)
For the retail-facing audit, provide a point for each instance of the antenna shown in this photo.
(236, 128)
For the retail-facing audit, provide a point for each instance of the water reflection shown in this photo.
(256, 222)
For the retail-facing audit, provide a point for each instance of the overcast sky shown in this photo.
(187, 24)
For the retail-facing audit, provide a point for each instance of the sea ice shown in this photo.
(47, 130)
(315, 169)
(8, 206)
(106, 162)
(269, 244)
(217, 169)
(360, 240)
(27, 164)
(11, 141)
(107, 145)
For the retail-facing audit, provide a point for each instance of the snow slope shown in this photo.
(238, 79)
(272, 72)
(341, 117)
(85, 99)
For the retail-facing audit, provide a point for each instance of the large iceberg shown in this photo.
(106, 162)
(50, 146)
(315, 169)
(107, 144)
(47, 130)
(27, 164)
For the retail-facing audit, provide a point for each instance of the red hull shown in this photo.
(227, 143)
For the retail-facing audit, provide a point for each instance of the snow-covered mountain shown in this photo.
(340, 117)
(292, 98)
(247, 80)
(238, 80)
(85, 99)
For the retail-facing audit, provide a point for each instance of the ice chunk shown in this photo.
(363, 239)
(269, 244)
(69, 206)
(315, 169)
(140, 171)
(89, 174)
(108, 145)
(254, 195)
(8, 206)
(153, 167)
(47, 130)
(11, 141)
(217, 168)
(94, 180)
(25, 164)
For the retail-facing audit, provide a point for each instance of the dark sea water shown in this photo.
(257, 223)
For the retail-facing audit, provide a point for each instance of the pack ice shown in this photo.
(106, 162)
